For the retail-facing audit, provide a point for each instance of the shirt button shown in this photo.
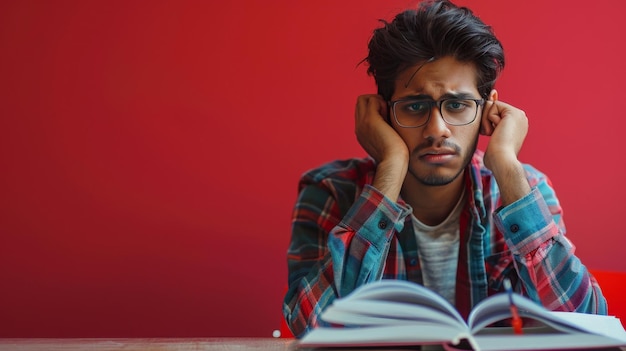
(413, 262)
(514, 228)
(382, 224)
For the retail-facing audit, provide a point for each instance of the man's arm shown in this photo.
(331, 253)
(531, 220)
(382, 143)
(550, 272)
(507, 126)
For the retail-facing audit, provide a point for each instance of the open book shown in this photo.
(401, 313)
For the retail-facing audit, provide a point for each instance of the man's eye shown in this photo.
(457, 105)
(416, 107)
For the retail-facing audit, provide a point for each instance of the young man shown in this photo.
(427, 206)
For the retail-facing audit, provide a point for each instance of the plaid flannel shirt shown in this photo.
(346, 233)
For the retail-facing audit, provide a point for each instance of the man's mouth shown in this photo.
(437, 156)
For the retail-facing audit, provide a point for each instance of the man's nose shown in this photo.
(436, 127)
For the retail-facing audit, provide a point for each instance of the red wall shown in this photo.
(150, 150)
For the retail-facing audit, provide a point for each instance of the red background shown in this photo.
(150, 150)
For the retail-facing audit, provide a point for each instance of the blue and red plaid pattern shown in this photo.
(346, 233)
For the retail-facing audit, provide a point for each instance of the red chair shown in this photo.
(284, 329)
(613, 285)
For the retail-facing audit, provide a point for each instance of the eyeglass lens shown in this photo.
(415, 113)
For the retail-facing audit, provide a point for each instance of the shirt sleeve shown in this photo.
(550, 273)
(333, 251)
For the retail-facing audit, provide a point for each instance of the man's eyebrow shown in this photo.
(458, 95)
(449, 95)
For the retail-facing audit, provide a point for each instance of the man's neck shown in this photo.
(432, 204)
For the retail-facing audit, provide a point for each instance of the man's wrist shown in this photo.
(389, 177)
(511, 178)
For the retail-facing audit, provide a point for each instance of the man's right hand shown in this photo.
(381, 142)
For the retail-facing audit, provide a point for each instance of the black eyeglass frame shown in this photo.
(431, 103)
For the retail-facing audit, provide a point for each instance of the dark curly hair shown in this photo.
(435, 29)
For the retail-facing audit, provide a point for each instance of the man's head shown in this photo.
(436, 29)
(430, 64)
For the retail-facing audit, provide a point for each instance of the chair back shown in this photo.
(285, 332)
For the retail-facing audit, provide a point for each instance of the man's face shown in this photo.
(438, 151)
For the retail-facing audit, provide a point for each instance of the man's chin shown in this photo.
(436, 180)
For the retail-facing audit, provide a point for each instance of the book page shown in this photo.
(597, 324)
(397, 335)
(497, 308)
(358, 312)
(544, 342)
(404, 291)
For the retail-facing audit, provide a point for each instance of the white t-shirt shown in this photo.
(438, 249)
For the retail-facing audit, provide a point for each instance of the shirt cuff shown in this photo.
(527, 223)
(374, 216)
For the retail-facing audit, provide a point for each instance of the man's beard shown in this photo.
(438, 180)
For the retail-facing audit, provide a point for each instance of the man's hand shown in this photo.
(381, 142)
(507, 126)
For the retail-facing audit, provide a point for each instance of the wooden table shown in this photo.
(163, 344)
(148, 344)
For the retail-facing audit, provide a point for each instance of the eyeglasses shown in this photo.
(413, 113)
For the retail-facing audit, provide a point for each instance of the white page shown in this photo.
(403, 291)
(349, 312)
(593, 323)
(545, 342)
(497, 308)
(397, 335)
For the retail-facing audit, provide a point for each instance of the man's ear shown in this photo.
(493, 95)
(486, 128)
